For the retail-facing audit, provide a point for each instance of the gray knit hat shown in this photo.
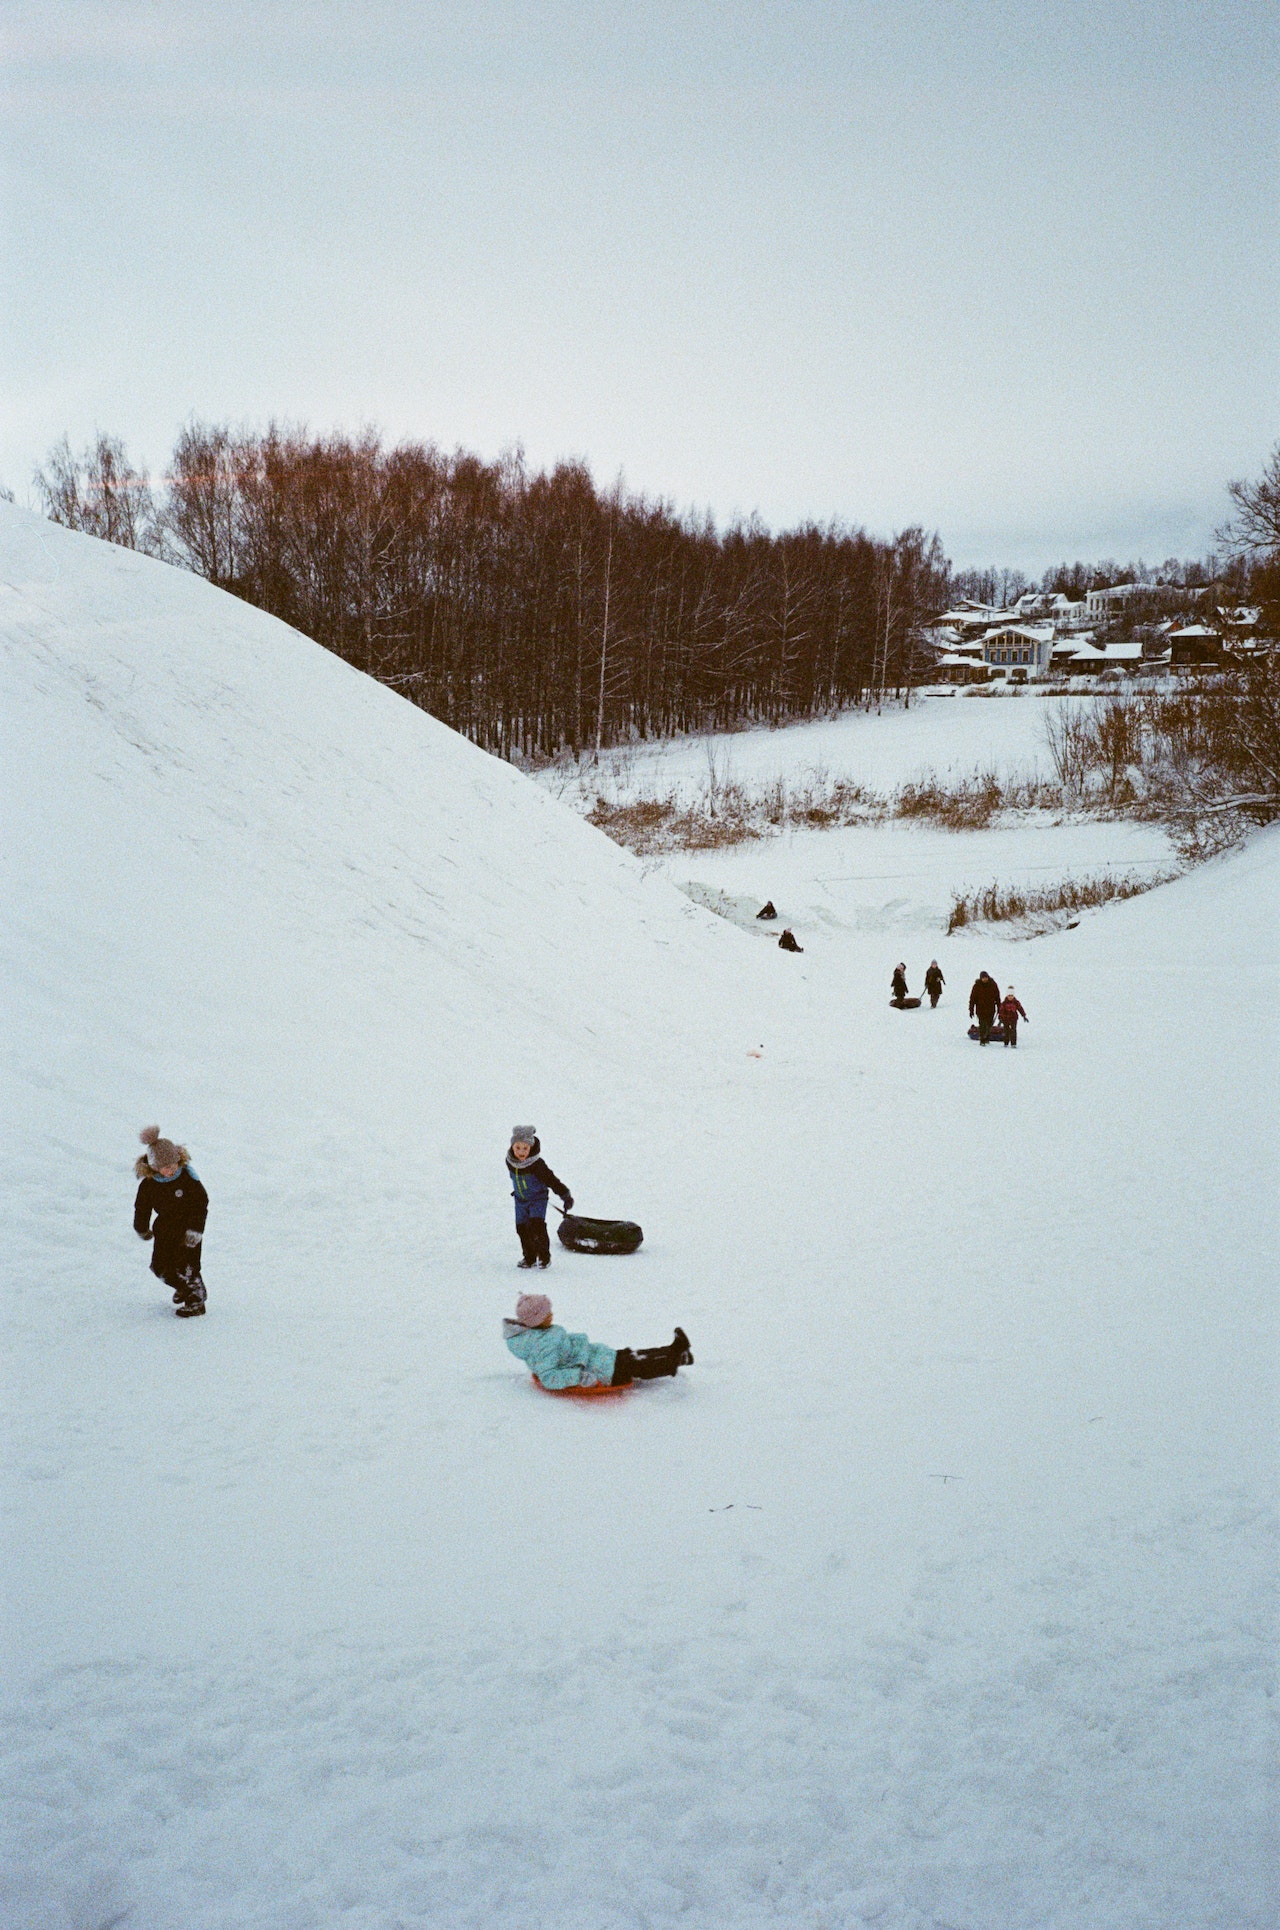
(525, 1134)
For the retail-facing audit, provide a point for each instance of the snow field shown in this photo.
(950, 734)
(318, 1613)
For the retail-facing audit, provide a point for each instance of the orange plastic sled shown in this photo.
(580, 1393)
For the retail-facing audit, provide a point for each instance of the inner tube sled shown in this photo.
(599, 1236)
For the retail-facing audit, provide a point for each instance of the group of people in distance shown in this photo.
(933, 983)
(171, 1209)
(985, 1002)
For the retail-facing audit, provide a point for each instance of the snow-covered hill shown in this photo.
(938, 1591)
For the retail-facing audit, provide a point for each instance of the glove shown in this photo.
(141, 1235)
(193, 1238)
(568, 1202)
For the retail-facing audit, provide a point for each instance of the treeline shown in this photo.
(1176, 578)
(530, 610)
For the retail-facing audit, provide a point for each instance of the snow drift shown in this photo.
(939, 1591)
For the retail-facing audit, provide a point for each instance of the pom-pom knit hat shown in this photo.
(533, 1310)
(161, 1152)
(524, 1134)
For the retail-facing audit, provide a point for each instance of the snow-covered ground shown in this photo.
(950, 734)
(901, 877)
(938, 1592)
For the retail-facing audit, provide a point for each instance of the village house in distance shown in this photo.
(1048, 635)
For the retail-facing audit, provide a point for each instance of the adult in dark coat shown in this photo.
(933, 983)
(170, 1210)
(899, 985)
(984, 1002)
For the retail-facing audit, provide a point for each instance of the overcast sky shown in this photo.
(1010, 271)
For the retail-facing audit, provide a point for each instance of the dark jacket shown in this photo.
(984, 998)
(1011, 1009)
(531, 1179)
(899, 983)
(169, 1209)
(933, 979)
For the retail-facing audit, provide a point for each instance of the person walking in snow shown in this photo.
(1010, 1012)
(933, 983)
(531, 1181)
(170, 1210)
(984, 1002)
(899, 985)
(558, 1359)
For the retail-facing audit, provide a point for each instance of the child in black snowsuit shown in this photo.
(170, 1210)
(899, 985)
(531, 1181)
(933, 984)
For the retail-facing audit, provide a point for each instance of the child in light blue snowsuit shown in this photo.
(558, 1359)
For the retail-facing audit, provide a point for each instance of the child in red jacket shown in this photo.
(1010, 1012)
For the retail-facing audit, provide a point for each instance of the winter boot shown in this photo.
(681, 1344)
(655, 1363)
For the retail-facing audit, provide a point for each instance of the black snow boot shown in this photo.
(653, 1363)
(681, 1342)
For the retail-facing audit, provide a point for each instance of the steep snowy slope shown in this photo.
(254, 892)
(939, 1591)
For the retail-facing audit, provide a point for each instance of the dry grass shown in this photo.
(973, 802)
(724, 813)
(998, 902)
(727, 812)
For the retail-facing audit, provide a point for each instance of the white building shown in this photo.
(1019, 650)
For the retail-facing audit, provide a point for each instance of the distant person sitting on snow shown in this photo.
(788, 943)
(933, 983)
(899, 984)
(531, 1180)
(1010, 1012)
(170, 1211)
(558, 1359)
(984, 1002)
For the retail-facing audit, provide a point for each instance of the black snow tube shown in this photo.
(599, 1236)
(904, 1005)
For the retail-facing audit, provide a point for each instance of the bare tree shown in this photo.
(100, 493)
(1254, 529)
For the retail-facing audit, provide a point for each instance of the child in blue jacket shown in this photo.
(558, 1359)
(531, 1181)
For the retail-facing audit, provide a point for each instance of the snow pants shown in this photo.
(649, 1363)
(184, 1281)
(985, 1023)
(534, 1244)
(1011, 1031)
